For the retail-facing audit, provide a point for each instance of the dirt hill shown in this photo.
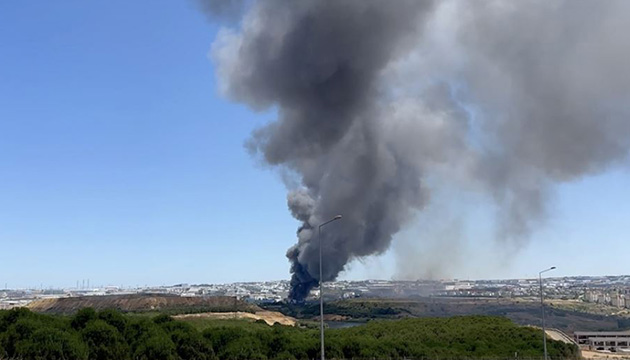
(171, 304)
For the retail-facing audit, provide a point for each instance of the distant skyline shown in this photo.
(84, 285)
(120, 163)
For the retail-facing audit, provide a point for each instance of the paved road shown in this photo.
(559, 336)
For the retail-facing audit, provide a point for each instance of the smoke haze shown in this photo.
(380, 103)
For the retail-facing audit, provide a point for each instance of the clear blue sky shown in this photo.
(120, 163)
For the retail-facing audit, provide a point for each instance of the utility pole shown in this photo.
(542, 309)
(321, 284)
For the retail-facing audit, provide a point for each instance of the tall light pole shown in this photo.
(542, 308)
(321, 283)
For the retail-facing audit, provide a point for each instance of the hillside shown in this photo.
(109, 334)
(521, 312)
(171, 304)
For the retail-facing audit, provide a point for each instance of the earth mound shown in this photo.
(172, 304)
(270, 317)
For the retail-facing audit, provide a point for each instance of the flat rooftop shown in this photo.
(602, 333)
(619, 339)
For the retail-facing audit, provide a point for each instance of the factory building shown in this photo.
(604, 340)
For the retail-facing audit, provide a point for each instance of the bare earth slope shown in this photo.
(143, 303)
(270, 317)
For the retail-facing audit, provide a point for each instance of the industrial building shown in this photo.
(604, 340)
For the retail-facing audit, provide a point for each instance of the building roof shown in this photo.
(609, 339)
(602, 333)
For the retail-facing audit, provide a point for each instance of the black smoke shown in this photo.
(379, 101)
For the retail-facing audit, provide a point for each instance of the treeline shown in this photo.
(109, 334)
(179, 310)
(351, 309)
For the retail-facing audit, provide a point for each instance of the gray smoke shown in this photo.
(378, 102)
(222, 9)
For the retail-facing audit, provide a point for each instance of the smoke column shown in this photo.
(379, 101)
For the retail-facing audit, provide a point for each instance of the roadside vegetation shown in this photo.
(109, 334)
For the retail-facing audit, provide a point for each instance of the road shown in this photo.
(558, 335)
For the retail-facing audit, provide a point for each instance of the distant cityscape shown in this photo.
(607, 290)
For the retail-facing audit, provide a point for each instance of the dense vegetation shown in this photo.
(108, 334)
(347, 308)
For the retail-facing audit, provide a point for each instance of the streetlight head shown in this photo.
(339, 217)
(553, 268)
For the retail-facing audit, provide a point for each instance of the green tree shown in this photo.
(21, 330)
(114, 318)
(52, 344)
(244, 348)
(10, 317)
(82, 317)
(157, 347)
(104, 341)
(221, 337)
(140, 330)
(189, 343)
(3, 352)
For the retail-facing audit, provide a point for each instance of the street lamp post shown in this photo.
(321, 283)
(542, 309)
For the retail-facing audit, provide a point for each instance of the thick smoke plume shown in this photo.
(378, 102)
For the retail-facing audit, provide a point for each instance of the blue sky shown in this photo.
(120, 163)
